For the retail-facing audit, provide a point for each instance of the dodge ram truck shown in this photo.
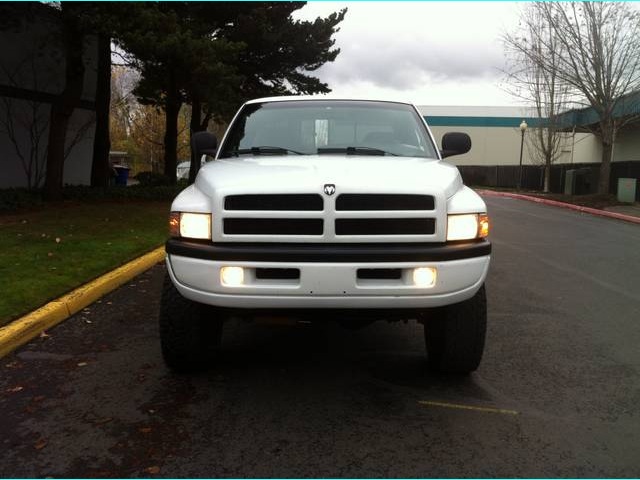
(327, 209)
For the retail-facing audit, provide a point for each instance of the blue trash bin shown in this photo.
(122, 174)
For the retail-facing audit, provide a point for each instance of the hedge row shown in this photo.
(19, 198)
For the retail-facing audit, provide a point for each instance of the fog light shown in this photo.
(232, 276)
(424, 277)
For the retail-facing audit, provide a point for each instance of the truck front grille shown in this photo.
(345, 217)
(277, 202)
(383, 202)
(273, 226)
(385, 226)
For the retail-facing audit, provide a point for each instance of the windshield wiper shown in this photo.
(355, 151)
(264, 150)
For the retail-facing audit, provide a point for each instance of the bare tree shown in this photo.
(538, 85)
(25, 123)
(599, 44)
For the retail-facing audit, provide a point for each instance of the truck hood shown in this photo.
(309, 173)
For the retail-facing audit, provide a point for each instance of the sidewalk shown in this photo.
(631, 210)
(627, 213)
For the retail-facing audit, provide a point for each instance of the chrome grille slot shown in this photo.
(273, 226)
(274, 202)
(385, 226)
(383, 202)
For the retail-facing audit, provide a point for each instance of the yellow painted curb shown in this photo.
(22, 330)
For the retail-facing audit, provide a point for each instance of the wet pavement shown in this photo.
(557, 394)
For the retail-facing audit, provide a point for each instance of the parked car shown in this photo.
(182, 170)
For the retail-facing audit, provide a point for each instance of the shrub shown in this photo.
(12, 199)
(152, 179)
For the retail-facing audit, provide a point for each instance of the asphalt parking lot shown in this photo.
(557, 394)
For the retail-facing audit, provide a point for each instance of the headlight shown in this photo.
(190, 225)
(467, 227)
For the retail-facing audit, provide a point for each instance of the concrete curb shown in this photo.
(26, 328)
(555, 203)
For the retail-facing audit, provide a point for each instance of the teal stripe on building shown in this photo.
(452, 121)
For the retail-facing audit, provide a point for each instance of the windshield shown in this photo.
(309, 127)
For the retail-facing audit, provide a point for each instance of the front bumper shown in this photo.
(328, 274)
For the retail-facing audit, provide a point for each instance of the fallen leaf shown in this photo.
(82, 364)
(102, 421)
(87, 321)
(44, 335)
(39, 398)
(50, 254)
(40, 444)
(15, 389)
(145, 430)
(153, 470)
(57, 239)
(43, 235)
(151, 411)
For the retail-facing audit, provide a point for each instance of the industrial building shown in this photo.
(497, 139)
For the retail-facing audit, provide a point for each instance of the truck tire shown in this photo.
(454, 335)
(190, 333)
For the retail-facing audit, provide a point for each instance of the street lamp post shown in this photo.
(523, 128)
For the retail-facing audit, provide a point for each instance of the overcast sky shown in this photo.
(429, 53)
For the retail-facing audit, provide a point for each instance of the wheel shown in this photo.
(454, 335)
(190, 333)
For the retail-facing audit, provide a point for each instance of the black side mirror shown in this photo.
(203, 143)
(455, 143)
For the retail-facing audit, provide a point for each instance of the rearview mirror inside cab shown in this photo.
(455, 143)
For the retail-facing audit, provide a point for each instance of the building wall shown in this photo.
(31, 72)
(495, 137)
(627, 146)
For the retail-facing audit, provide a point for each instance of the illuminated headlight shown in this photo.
(467, 227)
(190, 225)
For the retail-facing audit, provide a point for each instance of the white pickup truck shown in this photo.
(331, 210)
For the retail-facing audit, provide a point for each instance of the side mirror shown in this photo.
(203, 143)
(455, 143)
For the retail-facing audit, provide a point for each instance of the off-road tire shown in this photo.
(455, 334)
(190, 332)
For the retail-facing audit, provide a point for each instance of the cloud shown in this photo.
(403, 45)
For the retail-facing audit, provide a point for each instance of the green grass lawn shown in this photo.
(47, 252)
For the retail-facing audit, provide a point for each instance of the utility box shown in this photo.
(569, 182)
(577, 182)
(627, 190)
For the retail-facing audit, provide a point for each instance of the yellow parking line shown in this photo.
(468, 407)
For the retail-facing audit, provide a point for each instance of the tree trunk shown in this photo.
(607, 137)
(605, 168)
(64, 105)
(196, 115)
(100, 171)
(547, 177)
(172, 110)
